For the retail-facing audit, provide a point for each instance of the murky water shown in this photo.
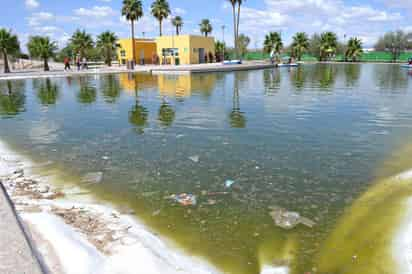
(311, 139)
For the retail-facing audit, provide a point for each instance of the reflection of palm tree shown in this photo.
(138, 115)
(110, 88)
(12, 98)
(237, 118)
(87, 93)
(47, 92)
(298, 78)
(166, 114)
(271, 81)
(352, 74)
(325, 74)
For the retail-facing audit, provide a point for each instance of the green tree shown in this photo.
(273, 42)
(394, 42)
(42, 47)
(160, 10)
(205, 27)
(9, 44)
(314, 46)
(133, 11)
(300, 44)
(328, 45)
(220, 50)
(236, 22)
(243, 43)
(81, 42)
(353, 49)
(47, 92)
(177, 22)
(106, 42)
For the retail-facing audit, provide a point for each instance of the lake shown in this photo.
(311, 139)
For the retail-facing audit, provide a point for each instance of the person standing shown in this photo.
(78, 62)
(66, 63)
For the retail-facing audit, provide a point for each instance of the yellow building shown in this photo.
(185, 49)
(145, 50)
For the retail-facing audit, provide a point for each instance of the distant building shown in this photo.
(185, 49)
(145, 50)
(173, 50)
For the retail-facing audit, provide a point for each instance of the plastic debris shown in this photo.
(229, 183)
(92, 178)
(288, 219)
(184, 199)
(194, 158)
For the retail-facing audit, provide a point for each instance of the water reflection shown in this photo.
(47, 91)
(271, 81)
(298, 77)
(87, 93)
(237, 118)
(166, 114)
(110, 88)
(390, 79)
(352, 74)
(12, 98)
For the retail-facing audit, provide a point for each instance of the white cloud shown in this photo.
(31, 4)
(96, 11)
(39, 17)
(178, 11)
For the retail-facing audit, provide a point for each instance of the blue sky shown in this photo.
(366, 19)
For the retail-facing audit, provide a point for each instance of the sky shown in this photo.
(58, 19)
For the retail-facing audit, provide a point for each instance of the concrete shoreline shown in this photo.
(17, 255)
(154, 69)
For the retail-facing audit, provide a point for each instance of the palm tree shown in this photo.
(328, 44)
(233, 3)
(106, 42)
(243, 42)
(81, 42)
(354, 49)
(206, 27)
(273, 42)
(133, 11)
(9, 44)
(178, 23)
(239, 3)
(220, 51)
(300, 44)
(42, 47)
(160, 10)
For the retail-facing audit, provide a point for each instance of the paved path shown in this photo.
(16, 254)
(155, 69)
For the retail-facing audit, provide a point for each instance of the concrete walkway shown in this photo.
(155, 69)
(16, 253)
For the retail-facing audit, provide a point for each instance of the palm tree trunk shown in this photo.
(160, 27)
(46, 65)
(109, 57)
(133, 43)
(234, 29)
(177, 30)
(237, 25)
(6, 62)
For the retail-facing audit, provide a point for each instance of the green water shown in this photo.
(312, 139)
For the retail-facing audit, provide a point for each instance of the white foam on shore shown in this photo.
(402, 244)
(140, 251)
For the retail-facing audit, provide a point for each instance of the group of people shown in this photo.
(81, 63)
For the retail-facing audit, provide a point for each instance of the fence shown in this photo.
(373, 56)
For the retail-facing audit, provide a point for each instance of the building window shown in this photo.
(123, 53)
(170, 52)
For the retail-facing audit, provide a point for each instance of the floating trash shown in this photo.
(229, 183)
(184, 199)
(194, 158)
(288, 219)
